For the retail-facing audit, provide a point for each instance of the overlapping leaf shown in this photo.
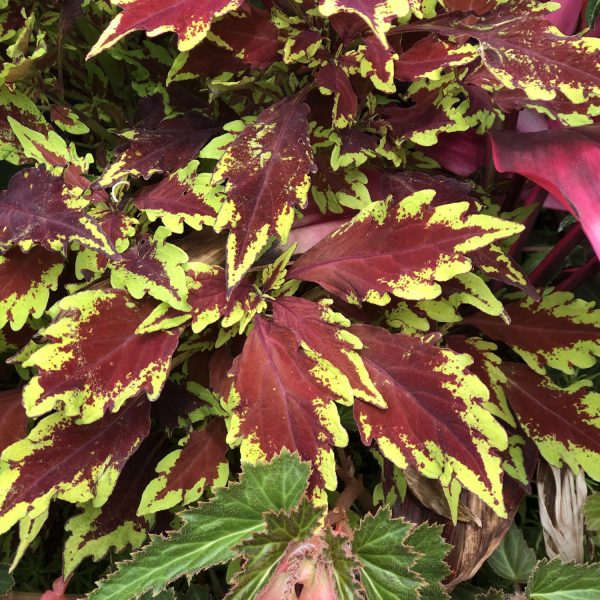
(114, 525)
(563, 422)
(182, 197)
(212, 530)
(184, 473)
(276, 403)
(267, 167)
(377, 14)
(333, 80)
(168, 147)
(13, 424)
(26, 281)
(152, 266)
(434, 407)
(402, 249)
(560, 332)
(39, 208)
(65, 460)
(521, 50)
(188, 19)
(323, 335)
(93, 360)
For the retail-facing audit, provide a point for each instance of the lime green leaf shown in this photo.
(591, 511)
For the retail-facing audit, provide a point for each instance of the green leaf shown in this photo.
(556, 581)
(211, 530)
(513, 559)
(491, 594)
(380, 544)
(6, 580)
(591, 512)
(427, 541)
(592, 10)
(266, 550)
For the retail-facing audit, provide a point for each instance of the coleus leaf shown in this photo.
(563, 422)
(212, 530)
(93, 360)
(249, 34)
(276, 403)
(267, 167)
(377, 63)
(457, 440)
(39, 208)
(333, 80)
(72, 462)
(429, 54)
(322, 334)
(13, 425)
(188, 19)
(487, 365)
(559, 331)
(563, 161)
(152, 266)
(377, 14)
(26, 281)
(114, 525)
(182, 197)
(399, 248)
(21, 108)
(168, 147)
(184, 473)
(523, 51)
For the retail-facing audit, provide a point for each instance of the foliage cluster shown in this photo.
(272, 242)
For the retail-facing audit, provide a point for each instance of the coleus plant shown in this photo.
(246, 243)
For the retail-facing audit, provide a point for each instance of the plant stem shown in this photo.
(548, 268)
(573, 281)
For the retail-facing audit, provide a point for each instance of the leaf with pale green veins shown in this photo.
(557, 581)
(513, 559)
(211, 531)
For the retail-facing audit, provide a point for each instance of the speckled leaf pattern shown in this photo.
(377, 14)
(183, 474)
(183, 197)
(65, 460)
(334, 81)
(93, 360)
(189, 19)
(432, 387)
(39, 208)
(323, 335)
(26, 281)
(13, 424)
(114, 525)
(560, 331)
(400, 249)
(267, 168)
(564, 423)
(155, 267)
(276, 403)
(166, 148)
